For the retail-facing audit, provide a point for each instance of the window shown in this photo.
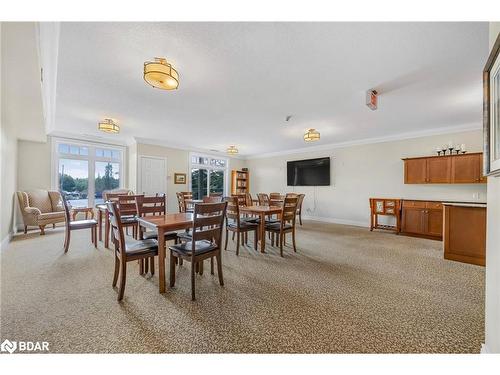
(208, 175)
(84, 171)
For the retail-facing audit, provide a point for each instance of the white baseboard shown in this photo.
(337, 221)
(5, 241)
(484, 349)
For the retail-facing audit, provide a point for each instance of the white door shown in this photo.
(152, 175)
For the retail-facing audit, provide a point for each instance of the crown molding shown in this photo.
(366, 141)
(89, 138)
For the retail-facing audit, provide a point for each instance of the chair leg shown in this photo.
(200, 267)
(212, 265)
(152, 266)
(172, 270)
(42, 230)
(219, 269)
(141, 266)
(300, 218)
(117, 270)
(233, 236)
(123, 279)
(146, 266)
(256, 239)
(282, 240)
(227, 235)
(95, 237)
(238, 243)
(54, 226)
(25, 229)
(272, 239)
(293, 240)
(193, 266)
(66, 240)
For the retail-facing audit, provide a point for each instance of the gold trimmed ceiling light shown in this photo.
(311, 135)
(109, 126)
(161, 74)
(232, 150)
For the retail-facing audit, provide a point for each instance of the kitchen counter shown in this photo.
(464, 204)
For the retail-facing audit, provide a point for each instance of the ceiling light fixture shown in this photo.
(311, 135)
(232, 150)
(108, 126)
(161, 74)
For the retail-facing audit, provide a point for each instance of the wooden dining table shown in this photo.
(262, 212)
(163, 224)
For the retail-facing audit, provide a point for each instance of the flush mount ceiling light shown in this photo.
(161, 74)
(232, 150)
(311, 135)
(109, 126)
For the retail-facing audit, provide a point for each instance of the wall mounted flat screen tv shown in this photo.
(311, 172)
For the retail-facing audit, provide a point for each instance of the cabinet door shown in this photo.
(434, 223)
(465, 169)
(439, 170)
(413, 220)
(416, 171)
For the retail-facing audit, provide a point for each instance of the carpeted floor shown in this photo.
(346, 290)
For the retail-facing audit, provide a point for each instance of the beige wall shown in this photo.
(361, 172)
(492, 308)
(34, 163)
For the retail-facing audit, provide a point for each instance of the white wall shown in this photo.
(34, 165)
(361, 172)
(492, 308)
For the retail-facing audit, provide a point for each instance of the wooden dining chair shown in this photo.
(263, 199)
(249, 200)
(128, 210)
(275, 196)
(299, 206)
(286, 223)
(212, 199)
(235, 224)
(127, 251)
(181, 200)
(205, 243)
(76, 225)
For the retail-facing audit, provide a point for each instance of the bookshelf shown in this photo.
(240, 182)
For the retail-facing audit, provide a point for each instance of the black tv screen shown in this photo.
(311, 172)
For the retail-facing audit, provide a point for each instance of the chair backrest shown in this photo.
(275, 196)
(127, 205)
(112, 195)
(208, 219)
(249, 199)
(117, 235)
(181, 202)
(300, 201)
(151, 205)
(233, 210)
(212, 199)
(242, 199)
(215, 195)
(263, 199)
(66, 211)
(291, 195)
(187, 194)
(289, 211)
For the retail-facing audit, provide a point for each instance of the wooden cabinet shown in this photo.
(454, 169)
(465, 233)
(422, 218)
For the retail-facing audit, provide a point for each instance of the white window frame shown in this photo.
(91, 158)
(209, 167)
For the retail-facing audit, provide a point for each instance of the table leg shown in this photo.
(262, 232)
(106, 231)
(99, 223)
(73, 215)
(161, 259)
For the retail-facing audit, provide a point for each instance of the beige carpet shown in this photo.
(346, 290)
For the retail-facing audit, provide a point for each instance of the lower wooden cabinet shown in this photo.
(423, 219)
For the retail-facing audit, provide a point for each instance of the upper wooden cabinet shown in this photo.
(456, 169)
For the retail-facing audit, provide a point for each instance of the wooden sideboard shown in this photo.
(422, 218)
(451, 169)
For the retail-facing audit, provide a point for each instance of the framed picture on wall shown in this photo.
(179, 178)
(491, 111)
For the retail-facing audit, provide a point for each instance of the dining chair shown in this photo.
(181, 201)
(77, 225)
(275, 196)
(249, 199)
(286, 223)
(152, 206)
(212, 199)
(208, 219)
(299, 206)
(128, 211)
(235, 224)
(263, 199)
(242, 199)
(127, 251)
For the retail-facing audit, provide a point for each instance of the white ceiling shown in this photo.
(238, 81)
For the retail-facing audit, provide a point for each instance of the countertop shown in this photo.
(446, 202)
(464, 204)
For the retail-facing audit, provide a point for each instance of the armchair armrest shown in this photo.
(32, 211)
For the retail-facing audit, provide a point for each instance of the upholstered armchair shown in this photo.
(40, 208)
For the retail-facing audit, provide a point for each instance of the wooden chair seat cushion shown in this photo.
(151, 235)
(82, 224)
(244, 225)
(275, 227)
(141, 247)
(201, 247)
